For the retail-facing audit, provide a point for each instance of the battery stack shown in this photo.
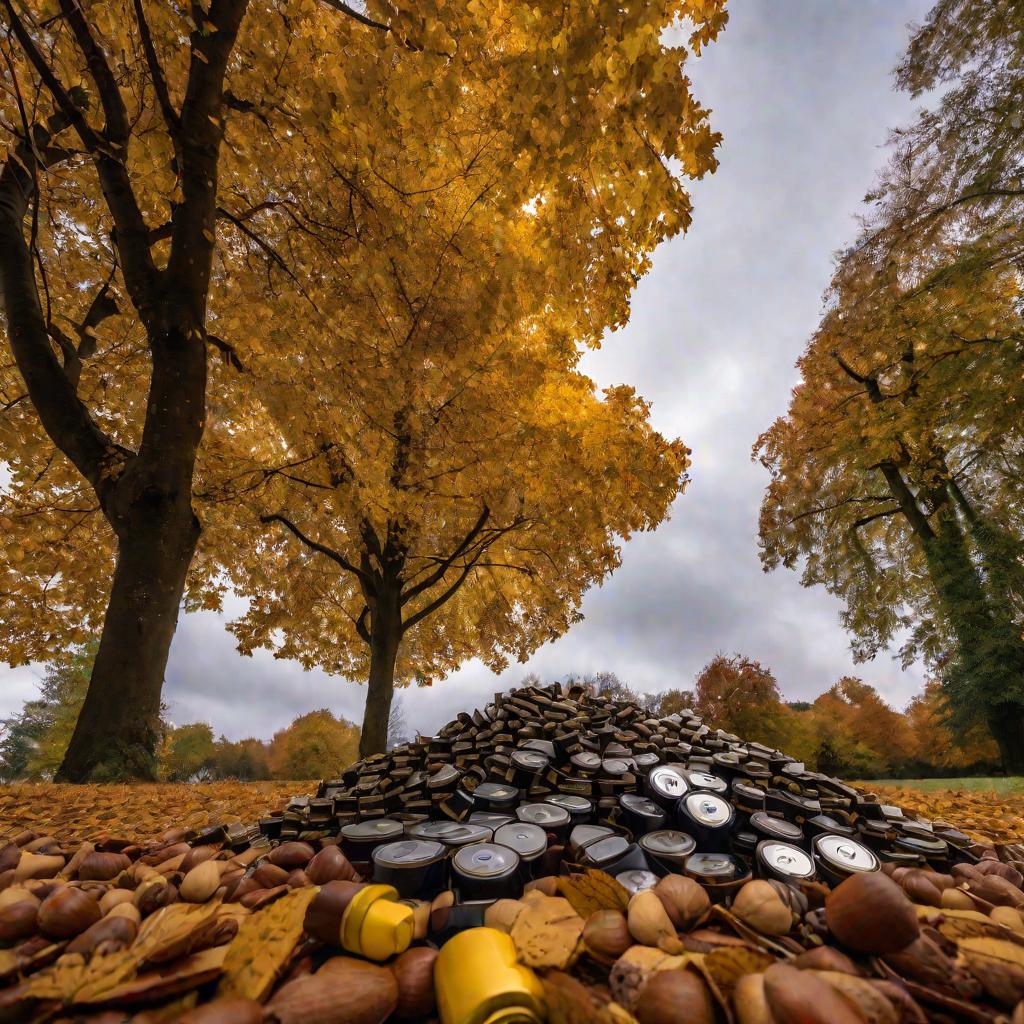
(551, 779)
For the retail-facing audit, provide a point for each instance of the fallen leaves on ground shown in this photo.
(989, 817)
(139, 811)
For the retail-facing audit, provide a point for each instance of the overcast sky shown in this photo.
(802, 91)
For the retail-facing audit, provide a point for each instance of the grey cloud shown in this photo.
(802, 91)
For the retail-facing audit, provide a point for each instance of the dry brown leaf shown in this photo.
(998, 965)
(173, 931)
(871, 1003)
(166, 980)
(571, 1002)
(71, 974)
(547, 933)
(264, 942)
(726, 965)
(593, 890)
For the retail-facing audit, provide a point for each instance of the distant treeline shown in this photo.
(848, 731)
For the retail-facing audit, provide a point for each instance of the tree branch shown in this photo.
(52, 392)
(322, 549)
(438, 574)
(163, 96)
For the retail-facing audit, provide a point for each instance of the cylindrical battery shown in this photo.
(486, 871)
(709, 818)
(415, 867)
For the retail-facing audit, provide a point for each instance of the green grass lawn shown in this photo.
(997, 784)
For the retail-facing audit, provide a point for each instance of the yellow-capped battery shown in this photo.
(478, 981)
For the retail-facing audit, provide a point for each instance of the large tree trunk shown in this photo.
(118, 728)
(986, 681)
(385, 637)
(1006, 723)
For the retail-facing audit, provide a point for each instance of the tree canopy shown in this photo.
(261, 180)
(896, 473)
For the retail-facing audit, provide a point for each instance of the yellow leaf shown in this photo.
(263, 945)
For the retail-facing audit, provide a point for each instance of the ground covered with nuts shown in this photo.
(554, 857)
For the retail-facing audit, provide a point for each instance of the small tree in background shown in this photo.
(741, 696)
(247, 760)
(35, 739)
(188, 754)
(315, 746)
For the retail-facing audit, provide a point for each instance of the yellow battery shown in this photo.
(375, 925)
(478, 981)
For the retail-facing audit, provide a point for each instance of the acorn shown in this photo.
(996, 890)
(113, 897)
(37, 865)
(548, 885)
(800, 997)
(269, 875)
(997, 867)
(67, 912)
(336, 996)
(298, 879)
(606, 935)
(46, 845)
(649, 923)
(956, 899)
(920, 888)
(330, 865)
(685, 900)
(196, 856)
(1018, 1014)
(1009, 917)
(242, 887)
(15, 894)
(871, 914)
(670, 996)
(760, 906)
(825, 958)
(414, 974)
(70, 869)
(200, 883)
(259, 898)
(164, 854)
(291, 855)
(750, 1002)
(225, 1011)
(154, 894)
(18, 920)
(128, 910)
(9, 857)
(102, 866)
(108, 935)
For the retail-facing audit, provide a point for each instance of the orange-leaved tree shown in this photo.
(435, 479)
(162, 197)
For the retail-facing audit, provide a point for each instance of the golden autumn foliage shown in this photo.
(442, 172)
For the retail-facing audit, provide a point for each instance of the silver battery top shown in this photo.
(451, 833)
(486, 860)
(377, 830)
(668, 842)
(408, 853)
(785, 858)
(543, 814)
(637, 880)
(667, 780)
(705, 780)
(529, 841)
(708, 808)
(845, 853)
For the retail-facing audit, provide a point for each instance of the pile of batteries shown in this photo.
(545, 780)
